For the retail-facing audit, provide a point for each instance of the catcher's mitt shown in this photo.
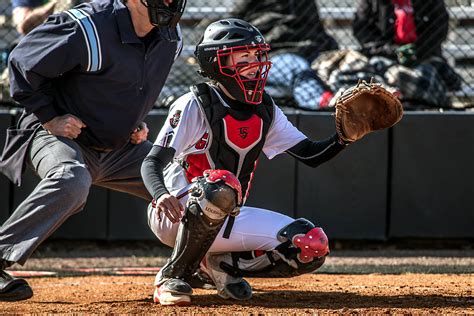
(365, 108)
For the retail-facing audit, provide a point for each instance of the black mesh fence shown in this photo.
(331, 44)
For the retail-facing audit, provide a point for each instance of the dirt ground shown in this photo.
(309, 294)
(73, 278)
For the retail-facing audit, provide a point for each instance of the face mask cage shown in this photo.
(252, 85)
(163, 15)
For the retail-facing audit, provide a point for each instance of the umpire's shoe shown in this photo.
(12, 289)
(173, 292)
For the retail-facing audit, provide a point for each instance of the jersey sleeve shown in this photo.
(183, 126)
(42, 56)
(282, 135)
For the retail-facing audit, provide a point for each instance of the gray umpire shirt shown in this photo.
(89, 62)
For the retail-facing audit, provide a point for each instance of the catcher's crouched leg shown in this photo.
(212, 198)
(303, 250)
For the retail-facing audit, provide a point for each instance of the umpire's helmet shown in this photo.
(214, 54)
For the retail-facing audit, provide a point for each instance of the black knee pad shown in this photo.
(215, 197)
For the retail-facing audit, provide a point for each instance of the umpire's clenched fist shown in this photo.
(139, 134)
(66, 125)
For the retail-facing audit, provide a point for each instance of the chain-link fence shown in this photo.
(333, 43)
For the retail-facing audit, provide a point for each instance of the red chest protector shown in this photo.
(236, 139)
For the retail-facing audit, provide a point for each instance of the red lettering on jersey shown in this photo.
(196, 164)
(243, 134)
(202, 143)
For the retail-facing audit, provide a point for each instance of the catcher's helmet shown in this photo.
(214, 53)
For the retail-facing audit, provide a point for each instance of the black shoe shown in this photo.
(200, 280)
(13, 289)
(241, 291)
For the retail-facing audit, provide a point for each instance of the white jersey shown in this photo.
(186, 131)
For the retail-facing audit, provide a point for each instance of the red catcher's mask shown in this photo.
(245, 89)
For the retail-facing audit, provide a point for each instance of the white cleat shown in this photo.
(173, 292)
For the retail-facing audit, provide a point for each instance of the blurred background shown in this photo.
(412, 181)
(312, 29)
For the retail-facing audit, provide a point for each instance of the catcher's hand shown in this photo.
(365, 108)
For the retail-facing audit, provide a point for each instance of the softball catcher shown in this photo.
(201, 166)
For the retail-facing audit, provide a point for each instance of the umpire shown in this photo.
(86, 78)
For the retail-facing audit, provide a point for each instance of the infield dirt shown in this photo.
(303, 295)
(87, 280)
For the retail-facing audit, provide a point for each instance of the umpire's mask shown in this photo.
(165, 16)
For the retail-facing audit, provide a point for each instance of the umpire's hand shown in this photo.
(139, 134)
(66, 125)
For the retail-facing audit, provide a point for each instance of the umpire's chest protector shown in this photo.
(236, 140)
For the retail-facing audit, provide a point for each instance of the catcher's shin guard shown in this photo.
(213, 197)
(303, 250)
